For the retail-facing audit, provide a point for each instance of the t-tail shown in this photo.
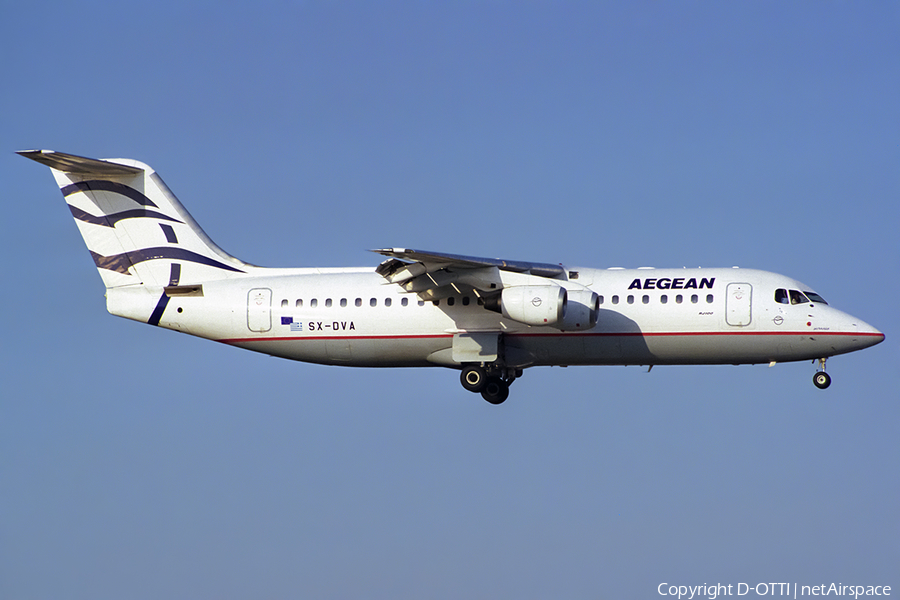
(145, 244)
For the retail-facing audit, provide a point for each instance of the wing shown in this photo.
(435, 275)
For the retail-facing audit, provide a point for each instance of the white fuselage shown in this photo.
(647, 316)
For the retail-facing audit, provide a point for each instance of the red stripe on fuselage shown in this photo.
(559, 334)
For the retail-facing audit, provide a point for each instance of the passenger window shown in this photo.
(358, 302)
(798, 297)
(343, 302)
(373, 302)
(630, 299)
(663, 299)
(387, 301)
(646, 299)
(284, 303)
(404, 301)
(327, 302)
(678, 299)
(313, 303)
(465, 300)
(451, 301)
(436, 302)
(781, 297)
(709, 298)
(615, 299)
(600, 299)
(695, 299)
(299, 304)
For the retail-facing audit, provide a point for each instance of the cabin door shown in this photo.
(259, 310)
(737, 304)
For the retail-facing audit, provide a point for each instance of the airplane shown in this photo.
(490, 319)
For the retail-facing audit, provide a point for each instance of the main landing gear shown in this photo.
(492, 383)
(822, 379)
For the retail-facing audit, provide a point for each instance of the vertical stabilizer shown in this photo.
(136, 230)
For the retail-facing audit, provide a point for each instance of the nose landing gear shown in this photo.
(821, 379)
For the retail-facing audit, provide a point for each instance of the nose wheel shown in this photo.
(821, 379)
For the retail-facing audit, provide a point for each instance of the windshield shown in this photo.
(814, 297)
(797, 297)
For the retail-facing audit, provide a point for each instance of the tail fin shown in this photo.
(135, 229)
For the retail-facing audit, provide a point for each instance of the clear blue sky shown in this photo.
(139, 463)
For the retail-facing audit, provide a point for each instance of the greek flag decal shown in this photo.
(290, 321)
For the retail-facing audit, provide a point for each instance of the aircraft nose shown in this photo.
(866, 334)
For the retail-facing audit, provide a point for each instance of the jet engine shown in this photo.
(531, 304)
(582, 310)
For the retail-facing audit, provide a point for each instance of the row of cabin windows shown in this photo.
(782, 296)
(664, 299)
(373, 302)
(465, 301)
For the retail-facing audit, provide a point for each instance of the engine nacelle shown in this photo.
(531, 304)
(582, 311)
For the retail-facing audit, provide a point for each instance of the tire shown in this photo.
(822, 380)
(495, 391)
(473, 378)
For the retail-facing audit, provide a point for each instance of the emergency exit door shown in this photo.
(737, 304)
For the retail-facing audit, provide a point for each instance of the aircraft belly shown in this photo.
(665, 348)
(523, 350)
(409, 351)
(707, 349)
(744, 348)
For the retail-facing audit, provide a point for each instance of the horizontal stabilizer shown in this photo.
(70, 163)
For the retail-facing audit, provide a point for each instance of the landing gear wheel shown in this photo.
(473, 378)
(822, 380)
(495, 391)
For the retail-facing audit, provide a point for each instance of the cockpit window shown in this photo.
(814, 297)
(781, 297)
(797, 297)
